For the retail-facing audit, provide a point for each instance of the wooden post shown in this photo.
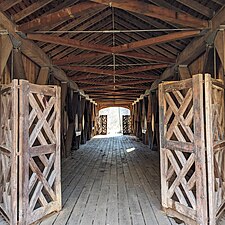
(64, 86)
(18, 67)
(163, 159)
(5, 50)
(14, 154)
(24, 153)
(209, 147)
(43, 75)
(199, 148)
(57, 132)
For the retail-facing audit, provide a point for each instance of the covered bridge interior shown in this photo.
(111, 53)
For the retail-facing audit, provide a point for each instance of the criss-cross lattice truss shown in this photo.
(126, 124)
(6, 148)
(181, 118)
(192, 129)
(215, 146)
(29, 151)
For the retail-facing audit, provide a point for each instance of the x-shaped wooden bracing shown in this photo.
(42, 182)
(5, 183)
(48, 163)
(6, 120)
(42, 123)
(180, 179)
(179, 118)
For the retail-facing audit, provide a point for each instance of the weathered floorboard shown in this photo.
(111, 180)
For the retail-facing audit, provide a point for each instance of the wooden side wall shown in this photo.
(78, 123)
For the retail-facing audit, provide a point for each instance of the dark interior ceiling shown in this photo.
(112, 52)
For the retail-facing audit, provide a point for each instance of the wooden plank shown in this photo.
(147, 57)
(198, 7)
(155, 40)
(157, 12)
(118, 49)
(30, 9)
(5, 5)
(43, 75)
(163, 161)
(5, 50)
(32, 51)
(76, 58)
(209, 147)
(24, 154)
(69, 42)
(220, 46)
(18, 66)
(184, 72)
(14, 157)
(218, 19)
(55, 17)
(42, 150)
(199, 141)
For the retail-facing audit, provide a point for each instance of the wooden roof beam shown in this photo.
(135, 55)
(194, 49)
(120, 73)
(76, 58)
(141, 69)
(30, 9)
(118, 49)
(147, 57)
(7, 4)
(56, 17)
(109, 84)
(70, 42)
(197, 7)
(111, 92)
(103, 87)
(162, 13)
(155, 40)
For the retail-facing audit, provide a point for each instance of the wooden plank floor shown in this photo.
(111, 181)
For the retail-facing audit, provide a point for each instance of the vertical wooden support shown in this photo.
(14, 158)
(220, 46)
(57, 131)
(64, 86)
(184, 72)
(209, 64)
(18, 66)
(209, 147)
(43, 75)
(163, 160)
(199, 148)
(5, 50)
(24, 153)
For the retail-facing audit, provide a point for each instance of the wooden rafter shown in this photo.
(118, 49)
(102, 87)
(155, 40)
(109, 91)
(109, 84)
(30, 9)
(7, 4)
(194, 49)
(5, 50)
(70, 42)
(77, 58)
(157, 12)
(121, 73)
(197, 7)
(135, 55)
(141, 69)
(147, 57)
(56, 17)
